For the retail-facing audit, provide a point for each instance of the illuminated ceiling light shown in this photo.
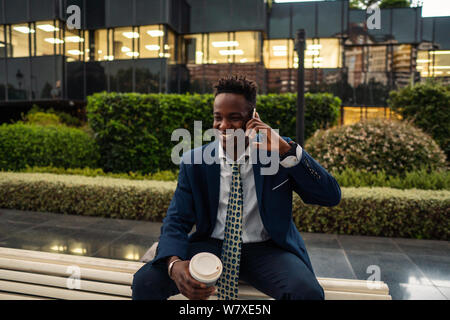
(164, 55)
(24, 29)
(152, 47)
(75, 52)
(317, 65)
(440, 67)
(54, 40)
(132, 54)
(279, 48)
(315, 47)
(295, 65)
(280, 53)
(199, 53)
(243, 60)
(222, 44)
(318, 59)
(423, 60)
(130, 35)
(166, 47)
(125, 49)
(48, 28)
(231, 52)
(312, 52)
(100, 51)
(214, 61)
(438, 72)
(296, 59)
(109, 58)
(74, 39)
(155, 33)
(440, 52)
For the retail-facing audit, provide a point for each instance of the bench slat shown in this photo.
(61, 270)
(120, 265)
(46, 280)
(51, 292)
(13, 296)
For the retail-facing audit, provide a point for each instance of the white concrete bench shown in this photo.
(26, 274)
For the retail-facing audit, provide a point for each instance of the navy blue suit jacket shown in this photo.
(196, 199)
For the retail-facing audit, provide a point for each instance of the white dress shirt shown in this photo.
(252, 228)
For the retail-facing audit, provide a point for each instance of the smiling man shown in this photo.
(240, 215)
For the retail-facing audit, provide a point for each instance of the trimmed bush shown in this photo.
(35, 145)
(376, 145)
(43, 119)
(427, 104)
(435, 180)
(363, 211)
(134, 131)
(90, 172)
(421, 179)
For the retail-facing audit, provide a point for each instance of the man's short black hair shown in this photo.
(240, 85)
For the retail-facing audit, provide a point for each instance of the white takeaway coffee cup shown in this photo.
(206, 268)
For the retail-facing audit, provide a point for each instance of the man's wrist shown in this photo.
(284, 147)
(172, 258)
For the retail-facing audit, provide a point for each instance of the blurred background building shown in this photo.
(178, 46)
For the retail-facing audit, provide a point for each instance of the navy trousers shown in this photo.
(264, 265)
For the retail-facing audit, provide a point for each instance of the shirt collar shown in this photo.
(243, 158)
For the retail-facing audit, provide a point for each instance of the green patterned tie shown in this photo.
(227, 285)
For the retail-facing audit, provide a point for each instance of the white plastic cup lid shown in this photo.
(205, 267)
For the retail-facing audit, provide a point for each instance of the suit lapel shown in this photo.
(259, 182)
(213, 181)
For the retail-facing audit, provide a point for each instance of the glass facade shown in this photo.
(433, 63)
(19, 40)
(223, 47)
(148, 46)
(319, 53)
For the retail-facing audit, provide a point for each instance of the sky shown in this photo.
(430, 8)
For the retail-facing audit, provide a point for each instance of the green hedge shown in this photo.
(427, 104)
(376, 145)
(363, 211)
(421, 179)
(35, 145)
(134, 131)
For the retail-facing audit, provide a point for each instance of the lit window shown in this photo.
(75, 44)
(19, 42)
(319, 53)
(101, 46)
(433, 63)
(151, 41)
(277, 53)
(2, 42)
(123, 43)
(223, 47)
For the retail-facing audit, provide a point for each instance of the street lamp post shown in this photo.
(300, 48)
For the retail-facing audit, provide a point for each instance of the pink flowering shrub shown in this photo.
(376, 145)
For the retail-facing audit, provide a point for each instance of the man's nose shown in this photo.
(224, 125)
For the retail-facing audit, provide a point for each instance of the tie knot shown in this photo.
(235, 167)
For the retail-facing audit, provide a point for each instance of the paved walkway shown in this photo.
(413, 269)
